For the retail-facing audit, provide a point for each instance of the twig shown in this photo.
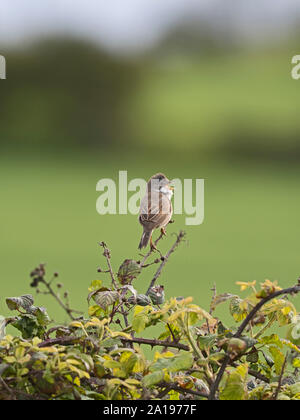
(64, 341)
(243, 326)
(177, 388)
(214, 290)
(68, 310)
(38, 276)
(157, 343)
(255, 374)
(179, 238)
(172, 333)
(106, 254)
(280, 378)
(150, 252)
(7, 388)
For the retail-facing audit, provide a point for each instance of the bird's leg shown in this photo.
(163, 231)
(152, 245)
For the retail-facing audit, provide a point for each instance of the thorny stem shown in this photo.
(106, 254)
(154, 343)
(165, 258)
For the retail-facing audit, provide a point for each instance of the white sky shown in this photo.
(129, 24)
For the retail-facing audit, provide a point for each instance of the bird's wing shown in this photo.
(156, 210)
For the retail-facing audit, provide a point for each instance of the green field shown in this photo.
(230, 118)
(251, 228)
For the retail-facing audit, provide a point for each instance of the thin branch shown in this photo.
(66, 308)
(7, 388)
(64, 341)
(156, 343)
(289, 291)
(150, 252)
(280, 378)
(177, 388)
(179, 238)
(106, 254)
(243, 326)
(255, 374)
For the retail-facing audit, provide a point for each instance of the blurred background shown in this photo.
(194, 88)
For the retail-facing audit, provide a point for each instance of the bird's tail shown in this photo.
(145, 239)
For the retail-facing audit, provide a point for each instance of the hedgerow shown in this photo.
(196, 357)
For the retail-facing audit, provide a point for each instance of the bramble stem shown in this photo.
(165, 258)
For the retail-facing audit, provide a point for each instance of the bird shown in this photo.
(156, 208)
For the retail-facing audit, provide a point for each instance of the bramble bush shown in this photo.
(102, 358)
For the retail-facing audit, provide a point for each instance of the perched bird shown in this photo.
(156, 208)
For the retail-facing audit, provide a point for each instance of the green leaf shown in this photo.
(106, 298)
(15, 303)
(42, 316)
(238, 309)
(220, 299)
(178, 363)
(112, 364)
(94, 292)
(295, 388)
(139, 323)
(130, 363)
(253, 357)
(182, 362)
(153, 378)
(206, 342)
(235, 387)
(95, 285)
(271, 339)
(128, 271)
(278, 357)
(3, 323)
(28, 326)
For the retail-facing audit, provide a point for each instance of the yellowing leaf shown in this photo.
(10, 359)
(114, 334)
(73, 362)
(163, 355)
(235, 387)
(278, 357)
(19, 352)
(77, 381)
(245, 286)
(49, 349)
(36, 341)
(24, 359)
(76, 324)
(138, 309)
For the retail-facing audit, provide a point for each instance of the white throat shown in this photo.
(167, 192)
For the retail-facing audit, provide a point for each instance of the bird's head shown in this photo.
(159, 182)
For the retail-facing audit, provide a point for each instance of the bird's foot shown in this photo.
(163, 232)
(152, 245)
